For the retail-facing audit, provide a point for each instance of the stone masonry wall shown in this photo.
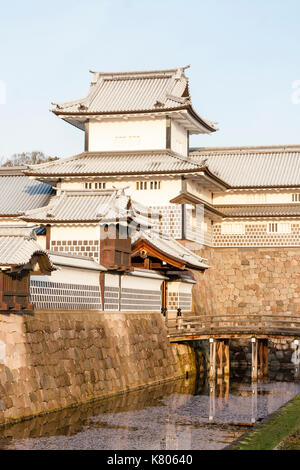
(53, 360)
(248, 281)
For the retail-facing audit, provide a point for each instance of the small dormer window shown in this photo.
(279, 227)
(154, 184)
(140, 185)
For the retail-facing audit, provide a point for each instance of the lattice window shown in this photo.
(141, 185)
(98, 185)
(232, 228)
(279, 227)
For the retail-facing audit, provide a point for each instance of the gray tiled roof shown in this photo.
(118, 163)
(71, 206)
(134, 92)
(253, 166)
(142, 91)
(172, 248)
(83, 206)
(18, 245)
(261, 210)
(74, 261)
(20, 193)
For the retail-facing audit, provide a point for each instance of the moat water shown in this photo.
(180, 415)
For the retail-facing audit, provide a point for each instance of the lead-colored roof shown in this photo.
(20, 193)
(253, 167)
(133, 92)
(71, 206)
(94, 206)
(117, 163)
(18, 245)
(74, 261)
(261, 210)
(171, 248)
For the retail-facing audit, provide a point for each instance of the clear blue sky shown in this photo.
(244, 57)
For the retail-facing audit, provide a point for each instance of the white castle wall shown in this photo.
(127, 134)
(251, 196)
(135, 133)
(66, 289)
(179, 141)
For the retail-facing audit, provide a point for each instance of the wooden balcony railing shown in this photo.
(231, 324)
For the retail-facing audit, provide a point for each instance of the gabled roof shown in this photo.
(18, 246)
(253, 167)
(142, 162)
(134, 92)
(167, 248)
(20, 193)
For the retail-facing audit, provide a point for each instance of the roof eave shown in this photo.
(185, 264)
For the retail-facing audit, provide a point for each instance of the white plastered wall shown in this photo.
(169, 188)
(254, 197)
(138, 282)
(75, 232)
(127, 134)
(71, 275)
(178, 138)
(195, 188)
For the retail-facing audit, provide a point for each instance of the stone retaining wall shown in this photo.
(249, 281)
(53, 360)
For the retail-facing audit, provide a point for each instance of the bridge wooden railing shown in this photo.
(238, 323)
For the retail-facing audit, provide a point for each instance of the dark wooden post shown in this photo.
(102, 288)
(48, 237)
(266, 358)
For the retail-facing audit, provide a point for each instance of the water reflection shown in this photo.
(181, 415)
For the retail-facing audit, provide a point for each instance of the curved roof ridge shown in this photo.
(139, 72)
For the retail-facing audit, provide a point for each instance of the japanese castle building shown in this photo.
(137, 127)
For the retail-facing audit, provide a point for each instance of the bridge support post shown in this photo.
(254, 359)
(260, 358)
(226, 358)
(219, 358)
(212, 358)
(220, 348)
(266, 357)
(254, 403)
(212, 400)
(260, 352)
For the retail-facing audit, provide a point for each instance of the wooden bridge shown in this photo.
(219, 329)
